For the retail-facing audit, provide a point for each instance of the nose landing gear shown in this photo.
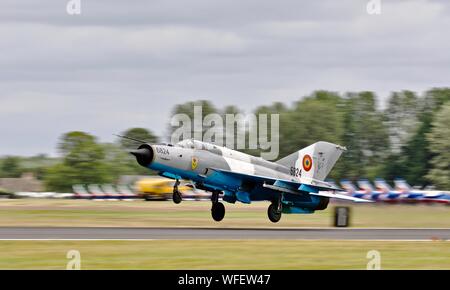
(176, 197)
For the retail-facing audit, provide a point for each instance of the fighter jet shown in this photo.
(351, 189)
(382, 185)
(433, 196)
(294, 184)
(379, 195)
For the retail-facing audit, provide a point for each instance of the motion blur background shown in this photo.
(375, 83)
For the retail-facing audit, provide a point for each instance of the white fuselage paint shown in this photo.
(228, 153)
(240, 166)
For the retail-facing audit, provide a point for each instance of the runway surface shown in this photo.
(104, 233)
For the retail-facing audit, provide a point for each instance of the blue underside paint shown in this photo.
(393, 195)
(297, 210)
(292, 203)
(284, 185)
(308, 188)
(243, 197)
(173, 172)
(229, 196)
(415, 195)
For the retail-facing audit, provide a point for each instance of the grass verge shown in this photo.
(33, 212)
(224, 254)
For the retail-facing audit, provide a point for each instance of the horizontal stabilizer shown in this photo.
(320, 184)
(339, 196)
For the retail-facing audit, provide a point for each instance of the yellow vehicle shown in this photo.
(157, 188)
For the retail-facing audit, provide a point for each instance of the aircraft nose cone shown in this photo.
(143, 156)
(140, 152)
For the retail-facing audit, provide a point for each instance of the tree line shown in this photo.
(409, 138)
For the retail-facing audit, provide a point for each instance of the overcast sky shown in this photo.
(122, 64)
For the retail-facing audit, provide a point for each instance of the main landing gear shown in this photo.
(217, 209)
(176, 197)
(274, 211)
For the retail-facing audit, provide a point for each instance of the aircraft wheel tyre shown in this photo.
(217, 211)
(274, 213)
(176, 197)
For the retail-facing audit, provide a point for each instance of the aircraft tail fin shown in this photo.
(401, 184)
(348, 186)
(365, 184)
(315, 161)
(381, 184)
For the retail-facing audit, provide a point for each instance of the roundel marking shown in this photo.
(307, 162)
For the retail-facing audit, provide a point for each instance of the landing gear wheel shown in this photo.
(217, 211)
(176, 197)
(274, 213)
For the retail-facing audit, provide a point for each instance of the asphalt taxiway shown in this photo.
(121, 233)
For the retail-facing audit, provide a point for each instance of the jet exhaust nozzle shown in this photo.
(144, 155)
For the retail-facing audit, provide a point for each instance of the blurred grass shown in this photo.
(224, 254)
(41, 212)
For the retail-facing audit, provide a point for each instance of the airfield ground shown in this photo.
(224, 254)
(71, 213)
(215, 254)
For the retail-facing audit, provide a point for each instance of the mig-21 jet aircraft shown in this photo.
(293, 184)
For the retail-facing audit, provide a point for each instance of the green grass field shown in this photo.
(34, 212)
(220, 254)
(215, 254)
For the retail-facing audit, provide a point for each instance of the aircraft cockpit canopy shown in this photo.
(199, 145)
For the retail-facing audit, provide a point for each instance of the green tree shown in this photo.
(434, 99)
(318, 117)
(139, 134)
(439, 139)
(402, 118)
(365, 136)
(38, 164)
(315, 118)
(414, 161)
(83, 162)
(119, 162)
(11, 167)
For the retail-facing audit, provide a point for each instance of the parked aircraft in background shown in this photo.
(402, 192)
(351, 189)
(80, 192)
(384, 195)
(384, 187)
(106, 191)
(126, 193)
(427, 195)
(96, 192)
(110, 192)
(22, 194)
